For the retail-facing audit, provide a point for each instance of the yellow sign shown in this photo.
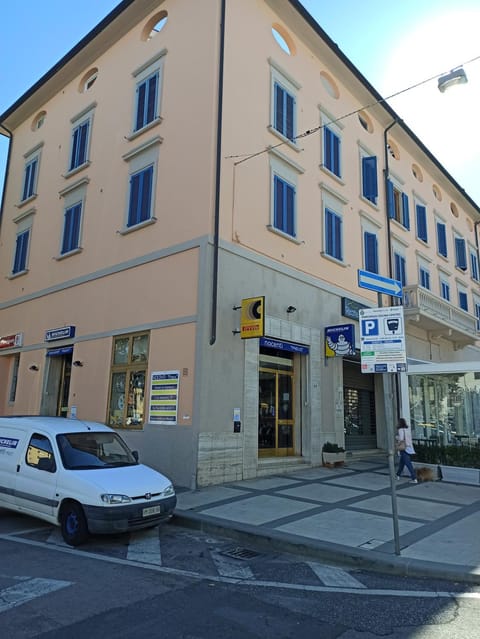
(252, 321)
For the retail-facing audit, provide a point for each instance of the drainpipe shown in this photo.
(213, 336)
(386, 173)
(7, 170)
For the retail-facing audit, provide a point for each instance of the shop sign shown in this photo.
(164, 388)
(382, 340)
(339, 340)
(64, 332)
(284, 346)
(11, 341)
(252, 320)
(351, 308)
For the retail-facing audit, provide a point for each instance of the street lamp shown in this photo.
(456, 76)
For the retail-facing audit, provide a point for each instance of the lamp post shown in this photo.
(456, 76)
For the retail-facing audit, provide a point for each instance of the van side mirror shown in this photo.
(46, 463)
(135, 454)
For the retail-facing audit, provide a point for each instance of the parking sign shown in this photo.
(382, 340)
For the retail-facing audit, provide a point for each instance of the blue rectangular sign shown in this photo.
(64, 332)
(380, 284)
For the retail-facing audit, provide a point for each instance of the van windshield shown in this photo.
(81, 451)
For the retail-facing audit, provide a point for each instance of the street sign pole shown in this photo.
(390, 416)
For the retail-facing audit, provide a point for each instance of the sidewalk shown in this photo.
(344, 515)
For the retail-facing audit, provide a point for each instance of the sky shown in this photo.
(395, 45)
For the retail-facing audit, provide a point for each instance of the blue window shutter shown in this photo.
(421, 222)
(371, 252)
(141, 97)
(284, 206)
(290, 210)
(442, 239)
(289, 116)
(369, 178)
(21, 249)
(71, 232)
(460, 254)
(405, 211)
(445, 291)
(390, 200)
(278, 123)
(75, 143)
(28, 182)
(140, 201)
(400, 269)
(278, 203)
(463, 300)
(474, 265)
(333, 234)
(151, 113)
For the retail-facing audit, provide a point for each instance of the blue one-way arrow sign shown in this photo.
(380, 284)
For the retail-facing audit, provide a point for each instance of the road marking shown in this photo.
(23, 592)
(55, 537)
(331, 576)
(145, 547)
(426, 594)
(231, 568)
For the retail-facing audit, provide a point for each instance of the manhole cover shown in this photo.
(240, 553)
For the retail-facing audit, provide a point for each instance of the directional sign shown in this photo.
(382, 340)
(378, 283)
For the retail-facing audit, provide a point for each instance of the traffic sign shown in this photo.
(380, 284)
(382, 340)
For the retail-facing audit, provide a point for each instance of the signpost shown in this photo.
(382, 344)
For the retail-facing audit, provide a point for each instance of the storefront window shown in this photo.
(127, 382)
(445, 407)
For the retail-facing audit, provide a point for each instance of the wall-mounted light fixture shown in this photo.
(77, 362)
(291, 309)
(456, 76)
(33, 367)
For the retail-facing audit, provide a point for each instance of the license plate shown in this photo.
(153, 510)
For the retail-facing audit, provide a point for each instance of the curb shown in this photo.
(295, 545)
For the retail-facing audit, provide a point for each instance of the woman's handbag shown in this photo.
(401, 445)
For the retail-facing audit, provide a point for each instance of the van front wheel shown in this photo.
(73, 524)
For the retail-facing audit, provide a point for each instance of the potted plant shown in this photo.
(333, 455)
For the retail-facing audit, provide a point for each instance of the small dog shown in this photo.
(425, 474)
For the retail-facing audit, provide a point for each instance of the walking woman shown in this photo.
(405, 449)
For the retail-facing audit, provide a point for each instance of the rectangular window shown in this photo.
(80, 140)
(441, 239)
(369, 179)
(284, 111)
(460, 254)
(21, 251)
(284, 206)
(71, 228)
(400, 268)
(140, 199)
(147, 102)
(127, 381)
(445, 290)
(477, 314)
(30, 179)
(421, 215)
(13, 380)
(331, 151)
(424, 277)
(370, 244)
(463, 300)
(474, 264)
(397, 205)
(333, 235)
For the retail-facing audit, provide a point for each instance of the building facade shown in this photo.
(184, 157)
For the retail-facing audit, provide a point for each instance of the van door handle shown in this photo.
(18, 468)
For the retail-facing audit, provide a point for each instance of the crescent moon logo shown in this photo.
(254, 311)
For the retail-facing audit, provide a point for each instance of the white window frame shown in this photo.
(73, 194)
(280, 76)
(286, 170)
(329, 120)
(30, 156)
(335, 203)
(151, 66)
(24, 222)
(87, 115)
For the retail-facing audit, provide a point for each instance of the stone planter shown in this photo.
(459, 475)
(333, 459)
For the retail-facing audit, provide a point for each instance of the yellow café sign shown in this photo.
(252, 321)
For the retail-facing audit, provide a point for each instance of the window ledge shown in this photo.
(286, 236)
(330, 258)
(26, 200)
(147, 127)
(14, 276)
(292, 144)
(399, 224)
(62, 256)
(136, 227)
(76, 170)
(373, 205)
(332, 175)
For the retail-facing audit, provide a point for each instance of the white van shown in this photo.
(79, 475)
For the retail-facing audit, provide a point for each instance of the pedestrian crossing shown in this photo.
(195, 552)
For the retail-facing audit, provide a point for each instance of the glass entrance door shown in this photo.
(275, 413)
